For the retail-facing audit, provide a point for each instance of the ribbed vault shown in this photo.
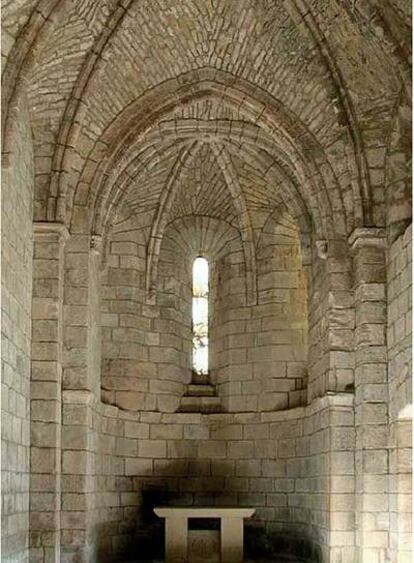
(214, 191)
(272, 137)
(91, 81)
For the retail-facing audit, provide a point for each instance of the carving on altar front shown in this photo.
(204, 546)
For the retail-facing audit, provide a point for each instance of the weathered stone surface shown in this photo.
(265, 138)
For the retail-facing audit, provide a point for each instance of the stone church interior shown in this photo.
(206, 281)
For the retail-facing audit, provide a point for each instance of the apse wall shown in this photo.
(17, 250)
(148, 457)
(295, 468)
(258, 349)
(146, 345)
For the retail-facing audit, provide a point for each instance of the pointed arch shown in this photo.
(255, 142)
(22, 58)
(284, 128)
(167, 198)
(227, 168)
(273, 168)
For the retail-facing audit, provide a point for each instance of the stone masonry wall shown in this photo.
(331, 320)
(17, 248)
(46, 390)
(296, 468)
(399, 283)
(146, 350)
(399, 290)
(79, 506)
(282, 342)
(258, 351)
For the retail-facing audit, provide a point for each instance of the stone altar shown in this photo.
(176, 530)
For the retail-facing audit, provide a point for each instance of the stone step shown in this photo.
(200, 379)
(197, 390)
(200, 404)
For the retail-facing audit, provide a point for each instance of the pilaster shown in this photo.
(332, 320)
(46, 391)
(81, 389)
(371, 395)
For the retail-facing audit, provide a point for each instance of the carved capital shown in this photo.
(50, 231)
(95, 244)
(322, 248)
(367, 236)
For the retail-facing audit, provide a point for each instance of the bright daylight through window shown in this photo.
(200, 315)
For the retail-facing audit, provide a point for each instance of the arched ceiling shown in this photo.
(203, 189)
(277, 101)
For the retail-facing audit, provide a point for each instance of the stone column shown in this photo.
(46, 391)
(371, 395)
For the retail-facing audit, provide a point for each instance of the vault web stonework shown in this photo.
(274, 140)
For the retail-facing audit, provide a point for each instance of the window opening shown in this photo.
(200, 315)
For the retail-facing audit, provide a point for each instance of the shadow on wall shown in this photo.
(283, 543)
(197, 486)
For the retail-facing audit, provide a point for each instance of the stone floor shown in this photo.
(282, 559)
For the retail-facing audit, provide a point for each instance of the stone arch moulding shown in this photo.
(274, 171)
(186, 154)
(249, 100)
(371, 15)
(308, 173)
(270, 157)
(37, 30)
(398, 183)
(273, 168)
(305, 236)
(209, 133)
(300, 12)
(75, 109)
(21, 59)
(199, 243)
(230, 175)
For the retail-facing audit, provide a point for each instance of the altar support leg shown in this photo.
(176, 540)
(232, 540)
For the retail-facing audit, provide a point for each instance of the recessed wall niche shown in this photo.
(257, 351)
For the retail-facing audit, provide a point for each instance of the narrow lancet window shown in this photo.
(200, 315)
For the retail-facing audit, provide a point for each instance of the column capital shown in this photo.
(52, 230)
(95, 243)
(322, 248)
(367, 236)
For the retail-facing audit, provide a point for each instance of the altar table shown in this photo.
(176, 530)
